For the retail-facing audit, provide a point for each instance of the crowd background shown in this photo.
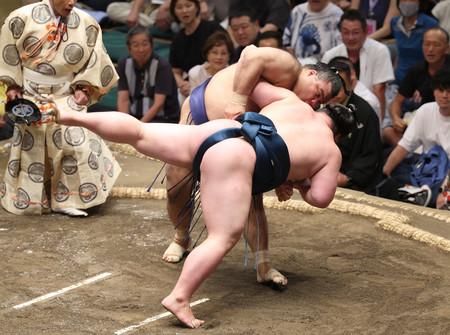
(163, 49)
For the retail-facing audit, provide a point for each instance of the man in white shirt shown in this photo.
(429, 127)
(371, 59)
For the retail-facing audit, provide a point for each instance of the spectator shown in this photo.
(217, 9)
(361, 149)
(370, 58)
(430, 127)
(415, 89)
(186, 48)
(244, 29)
(408, 30)
(133, 13)
(217, 51)
(271, 14)
(441, 11)
(312, 29)
(147, 87)
(378, 14)
(271, 39)
(359, 88)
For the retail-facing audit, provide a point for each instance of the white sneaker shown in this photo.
(70, 211)
(415, 195)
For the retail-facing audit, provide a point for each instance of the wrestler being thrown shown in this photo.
(288, 137)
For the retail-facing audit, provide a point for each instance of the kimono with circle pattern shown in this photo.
(52, 165)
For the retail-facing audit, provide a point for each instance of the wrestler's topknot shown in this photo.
(343, 117)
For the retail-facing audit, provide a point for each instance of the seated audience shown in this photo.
(216, 9)
(359, 88)
(378, 14)
(186, 47)
(271, 39)
(370, 58)
(415, 89)
(408, 30)
(271, 14)
(429, 127)
(312, 29)
(217, 51)
(244, 27)
(361, 149)
(147, 88)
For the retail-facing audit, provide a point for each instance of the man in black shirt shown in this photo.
(417, 83)
(361, 149)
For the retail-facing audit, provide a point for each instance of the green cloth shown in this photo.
(115, 44)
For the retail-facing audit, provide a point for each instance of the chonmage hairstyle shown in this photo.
(343, 117)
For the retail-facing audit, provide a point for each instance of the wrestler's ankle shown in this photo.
(181, 237)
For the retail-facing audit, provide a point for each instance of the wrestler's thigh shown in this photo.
(226, 186)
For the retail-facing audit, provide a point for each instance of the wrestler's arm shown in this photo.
(274, 65)
(322, 186)
(265, 93)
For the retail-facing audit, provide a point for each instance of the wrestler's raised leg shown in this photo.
(177, 198)
(171, 143)
(258, 227)
(225, 200)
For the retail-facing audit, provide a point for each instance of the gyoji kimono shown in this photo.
(53, 165)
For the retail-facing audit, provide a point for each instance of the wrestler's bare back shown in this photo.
(308, 136)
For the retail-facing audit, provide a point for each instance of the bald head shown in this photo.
(435, 45)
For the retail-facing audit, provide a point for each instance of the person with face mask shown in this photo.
(408, 29)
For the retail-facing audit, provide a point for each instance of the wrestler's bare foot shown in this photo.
(174, 253)
(266, 274)
(182, 310)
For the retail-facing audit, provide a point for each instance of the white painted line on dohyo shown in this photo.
(64, 290)
(154, 318)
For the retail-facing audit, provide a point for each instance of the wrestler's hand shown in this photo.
(81, 97)
(285, 191)
(2, 121)
(13, 92)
